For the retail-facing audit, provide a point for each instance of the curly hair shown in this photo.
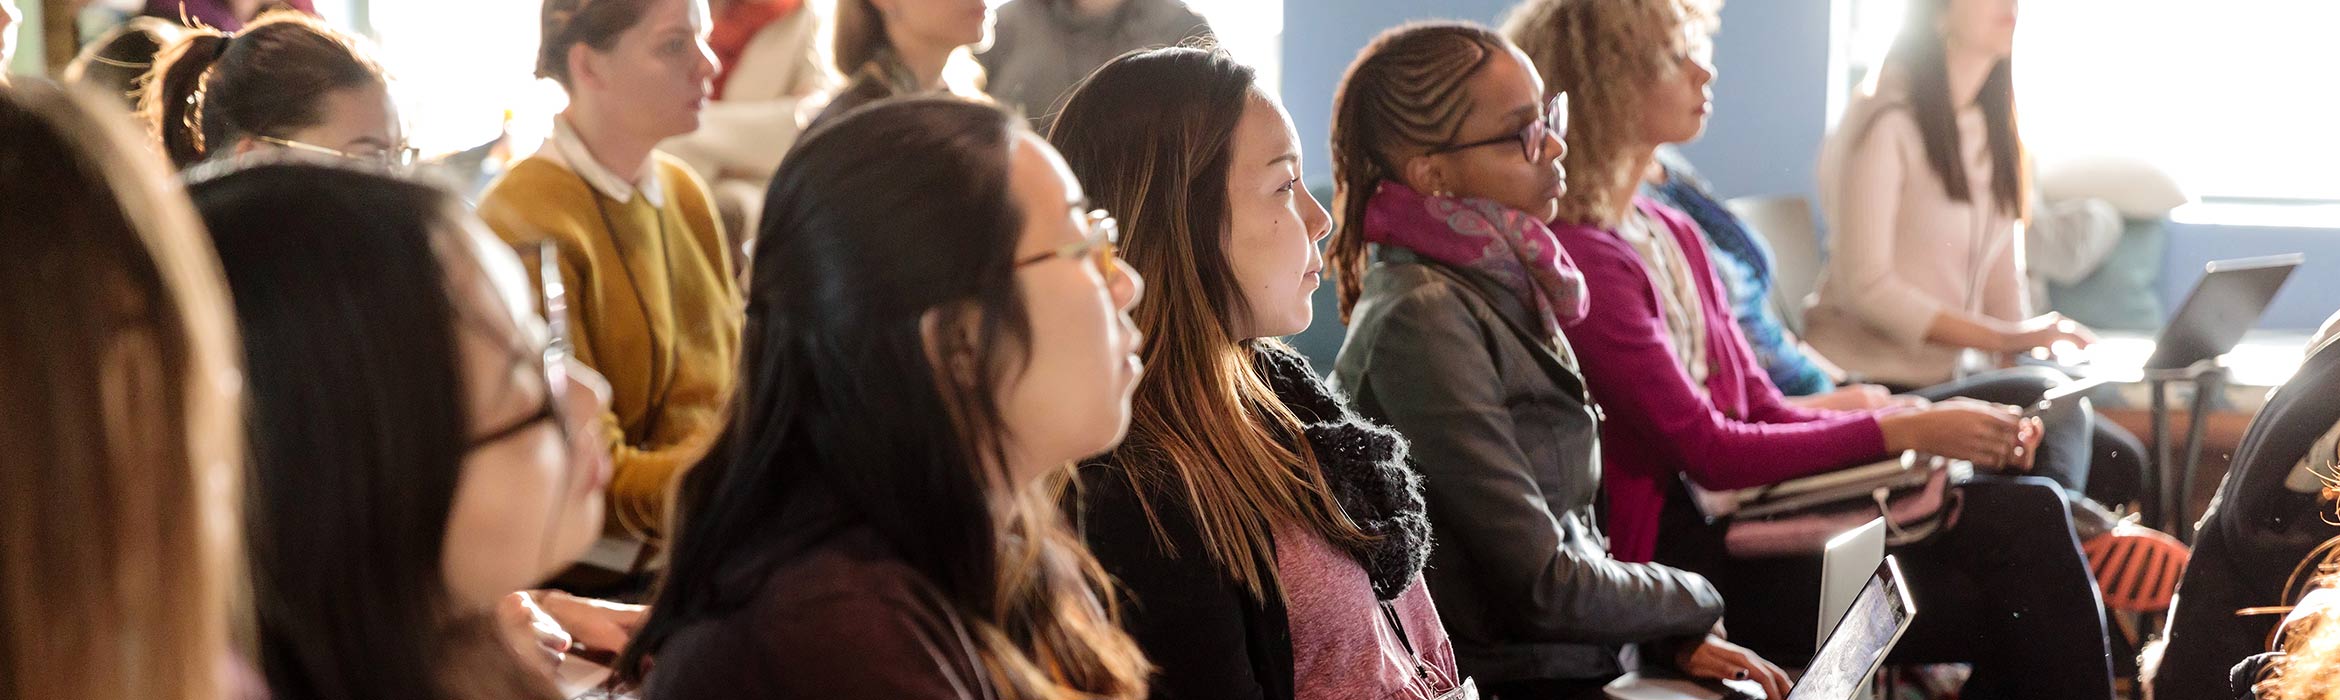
(1601, 52)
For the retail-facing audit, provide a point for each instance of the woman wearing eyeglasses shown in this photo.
(1446, 162)
(656, 305)
(421, 446)
(1270, 541)
(937, 329)
(287, 81)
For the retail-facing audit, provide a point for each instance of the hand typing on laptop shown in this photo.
(1717, 659)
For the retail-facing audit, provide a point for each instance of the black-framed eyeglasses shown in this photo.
(392, 158)
(1530, 138)
(554, 298)
(1102, 247)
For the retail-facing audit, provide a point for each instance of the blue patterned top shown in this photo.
(1743, 261)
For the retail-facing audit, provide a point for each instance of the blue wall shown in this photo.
(2312, 293)
(1321, 37)
(1770, 99)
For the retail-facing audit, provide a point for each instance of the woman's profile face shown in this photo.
(529, 501)
(1981, 25)
(1506, 98)
(1273, 224)
(1069, 397)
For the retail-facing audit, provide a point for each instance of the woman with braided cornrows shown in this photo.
(656, 307)
(1446, 165)
(286, 82)
(2004, 585)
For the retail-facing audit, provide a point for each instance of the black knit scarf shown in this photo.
(1365, 464)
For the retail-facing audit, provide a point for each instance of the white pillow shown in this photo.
(2139, 189)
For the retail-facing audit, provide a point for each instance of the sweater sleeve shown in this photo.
(1861, 240)
(849, 645)
(641, 476)
(1630, 365)
(2006, 295)
(1429, 376)
(1186, 615)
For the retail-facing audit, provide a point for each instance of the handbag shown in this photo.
(1913, 493)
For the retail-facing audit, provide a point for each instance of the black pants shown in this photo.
(2083, 454)
(2005, 589)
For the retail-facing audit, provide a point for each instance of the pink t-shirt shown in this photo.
(1343, 647)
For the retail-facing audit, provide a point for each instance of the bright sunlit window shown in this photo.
(2235, 98)
(463, 65)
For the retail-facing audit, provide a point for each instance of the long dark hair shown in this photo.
(1918, 52)
(1151, 137)
(894, 216)
(1407, 91)
(359, 427)
(120, 564)
(212, 88)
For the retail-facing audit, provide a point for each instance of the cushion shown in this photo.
(2140, 190)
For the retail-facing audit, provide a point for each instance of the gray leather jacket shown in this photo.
(1507, 441)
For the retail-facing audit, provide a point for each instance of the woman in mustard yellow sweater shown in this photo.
(654, 303)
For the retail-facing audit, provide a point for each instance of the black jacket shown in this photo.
(1210, 639)
(1508, 444)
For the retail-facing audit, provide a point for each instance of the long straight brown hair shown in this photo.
(1406, 93)
(1919, 53)
(120, 556)
(1150, 136)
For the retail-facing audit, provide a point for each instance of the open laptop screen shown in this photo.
(1876, 621)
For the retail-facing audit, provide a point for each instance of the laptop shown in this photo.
(2225, 303)
(1878, 615)
(1845, 567)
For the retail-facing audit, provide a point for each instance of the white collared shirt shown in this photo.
(568, 150)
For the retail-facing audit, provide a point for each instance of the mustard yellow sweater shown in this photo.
(670, 346)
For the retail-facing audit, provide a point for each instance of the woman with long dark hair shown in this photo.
(1272, 541)
(422, 446)
(937, 328)
(1922, 184)
(121, 575)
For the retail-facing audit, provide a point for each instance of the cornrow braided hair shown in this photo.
(1406, 93)
(1602, 52)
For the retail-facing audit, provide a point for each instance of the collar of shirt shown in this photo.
(568, 150)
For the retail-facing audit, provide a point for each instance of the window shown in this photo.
(1252, 30)
(2231, 97)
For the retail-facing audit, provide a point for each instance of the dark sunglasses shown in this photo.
(1530, 138)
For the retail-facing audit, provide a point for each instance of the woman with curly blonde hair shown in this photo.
(2005, 589)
